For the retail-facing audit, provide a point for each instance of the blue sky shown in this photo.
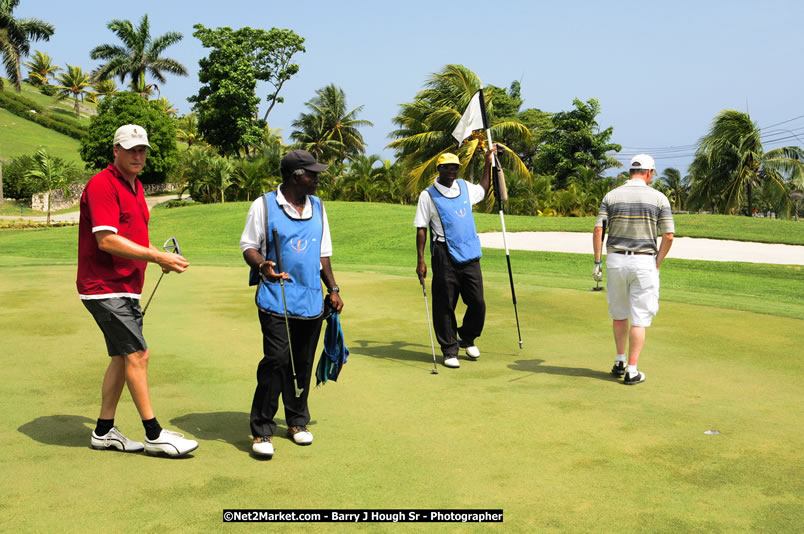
(661, 70)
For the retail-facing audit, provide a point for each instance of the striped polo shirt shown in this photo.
(635, 215)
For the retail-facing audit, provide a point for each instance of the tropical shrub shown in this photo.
(129, 108)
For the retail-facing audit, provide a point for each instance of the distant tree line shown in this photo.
(555, 162)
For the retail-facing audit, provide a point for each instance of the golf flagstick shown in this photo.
(502, 194)
(171, 245)
(429, 328)
(287, 324)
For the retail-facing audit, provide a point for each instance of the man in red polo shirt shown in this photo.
(113, 251)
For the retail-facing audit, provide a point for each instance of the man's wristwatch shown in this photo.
(333, 289)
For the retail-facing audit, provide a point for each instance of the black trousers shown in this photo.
(274, 374)
(451, 280)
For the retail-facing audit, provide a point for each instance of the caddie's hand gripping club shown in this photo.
(285, 307)
(171, 245)
(429, 327)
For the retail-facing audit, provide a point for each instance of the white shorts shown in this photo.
(633, 288)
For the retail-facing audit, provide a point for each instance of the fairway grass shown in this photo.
(543, 432)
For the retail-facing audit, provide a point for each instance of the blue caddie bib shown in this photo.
(300, 255)
(460, 233)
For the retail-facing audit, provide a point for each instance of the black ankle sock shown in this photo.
(152, 428)
(103, 426)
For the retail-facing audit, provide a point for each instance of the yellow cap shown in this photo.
(448, 159)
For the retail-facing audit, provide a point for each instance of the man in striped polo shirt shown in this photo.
(635, 214)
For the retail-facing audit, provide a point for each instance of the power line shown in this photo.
(783, 122)
(679, 151)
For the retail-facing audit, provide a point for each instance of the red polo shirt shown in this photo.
(109, 203)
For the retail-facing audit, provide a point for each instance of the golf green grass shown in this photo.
(543, 433)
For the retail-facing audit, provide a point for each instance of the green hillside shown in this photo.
(19, 136)
(65, 106)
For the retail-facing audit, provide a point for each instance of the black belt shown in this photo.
(632, 253)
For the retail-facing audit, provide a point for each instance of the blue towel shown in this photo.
(334, 355)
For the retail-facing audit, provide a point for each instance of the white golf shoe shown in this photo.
(300, 435)
(472, 352)
(171, 444)
(114, 440)
(263, 446)
(451, 362)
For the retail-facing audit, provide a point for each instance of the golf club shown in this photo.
(429, 328)
(285, 307)
(171, 245)
(602, 240)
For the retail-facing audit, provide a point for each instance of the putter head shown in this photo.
(172, 245)
(434, 372)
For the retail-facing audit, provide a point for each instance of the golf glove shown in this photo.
(597, 273)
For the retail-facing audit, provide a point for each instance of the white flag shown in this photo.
(472, 120)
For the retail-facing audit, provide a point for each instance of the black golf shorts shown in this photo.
(120, 320)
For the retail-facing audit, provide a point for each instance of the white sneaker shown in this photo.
(170, 443)
(263, 446)
(451, 362)
(113, 439)
(472, 352)
(300, 435)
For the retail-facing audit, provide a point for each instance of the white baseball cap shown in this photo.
(130, 135)
(642, 162)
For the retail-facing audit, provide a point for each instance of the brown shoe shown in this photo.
(262, 446)
(300, 435)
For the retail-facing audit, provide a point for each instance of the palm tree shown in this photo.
(49, 175)
(730, 163)
(15, 39)
(105, 87)
(312, 137)
(678, 186)
(74, 84)
(164, 105)
(41, 68)
(187, 130)
(137, 55)
(221, 173)
(365, 182)
(193, 173)
(426, 125)
(329, 121)
(259, 174)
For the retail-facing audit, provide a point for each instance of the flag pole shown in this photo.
(496, 168)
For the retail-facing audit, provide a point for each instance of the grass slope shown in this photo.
(65, 107)
(19, 137)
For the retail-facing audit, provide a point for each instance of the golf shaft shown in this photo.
(505, 239)
(285, 308)
(152, 294)
(510, 276)
(429, 326)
